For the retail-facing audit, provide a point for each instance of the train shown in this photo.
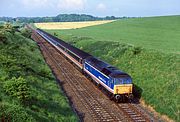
(118, 83)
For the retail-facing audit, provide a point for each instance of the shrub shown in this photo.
(3, 38)
(9, 28)
(26, 33)
(45, 72)
(17, 87)
(14, 113)
(55, 34)
(136, 50)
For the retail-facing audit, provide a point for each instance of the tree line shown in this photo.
(58, 18)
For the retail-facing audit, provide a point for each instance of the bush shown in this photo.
(45, 72)
(14, 113)
(55, 34)
(9, 28)
(136, 50)
(3, 38)
(26, 33)
(17, 87)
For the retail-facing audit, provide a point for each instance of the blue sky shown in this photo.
(14, 8)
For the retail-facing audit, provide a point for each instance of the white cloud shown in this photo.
(101, 7)
(71, 4)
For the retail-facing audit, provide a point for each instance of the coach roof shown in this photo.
(78, 52)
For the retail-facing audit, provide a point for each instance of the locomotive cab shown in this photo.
(117, 82)
(123, 85)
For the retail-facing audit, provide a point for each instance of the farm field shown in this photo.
(146, 48)
(69, 25)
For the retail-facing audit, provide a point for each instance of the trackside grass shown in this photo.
(146, 48)
(28, 89)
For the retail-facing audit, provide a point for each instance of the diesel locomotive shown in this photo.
(116, 82)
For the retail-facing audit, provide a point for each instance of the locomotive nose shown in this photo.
(123, 89)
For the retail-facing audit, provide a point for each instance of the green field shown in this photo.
(28, 89)
(146, 48)
(161, 33)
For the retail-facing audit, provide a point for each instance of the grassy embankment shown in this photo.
(28, 89)
(146, 48)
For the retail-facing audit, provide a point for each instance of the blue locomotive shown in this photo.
(118, 83)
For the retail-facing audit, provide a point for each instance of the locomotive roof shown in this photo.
(75, 50)
(118, 73)
(97, 63)
(106, 68)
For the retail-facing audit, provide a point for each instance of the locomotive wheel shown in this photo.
(118, 98)
(130, 98)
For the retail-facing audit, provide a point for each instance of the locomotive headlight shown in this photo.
(116, 90)
(130, 90)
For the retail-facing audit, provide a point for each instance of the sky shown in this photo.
(131, 8)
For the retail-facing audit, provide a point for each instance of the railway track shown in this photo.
(134, 113)
(98, 111)
(90, 103)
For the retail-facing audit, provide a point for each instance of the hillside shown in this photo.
(28, 89)
(146, 48)
(160, 33)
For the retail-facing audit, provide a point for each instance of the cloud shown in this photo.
(71, 4)
(101, 7)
